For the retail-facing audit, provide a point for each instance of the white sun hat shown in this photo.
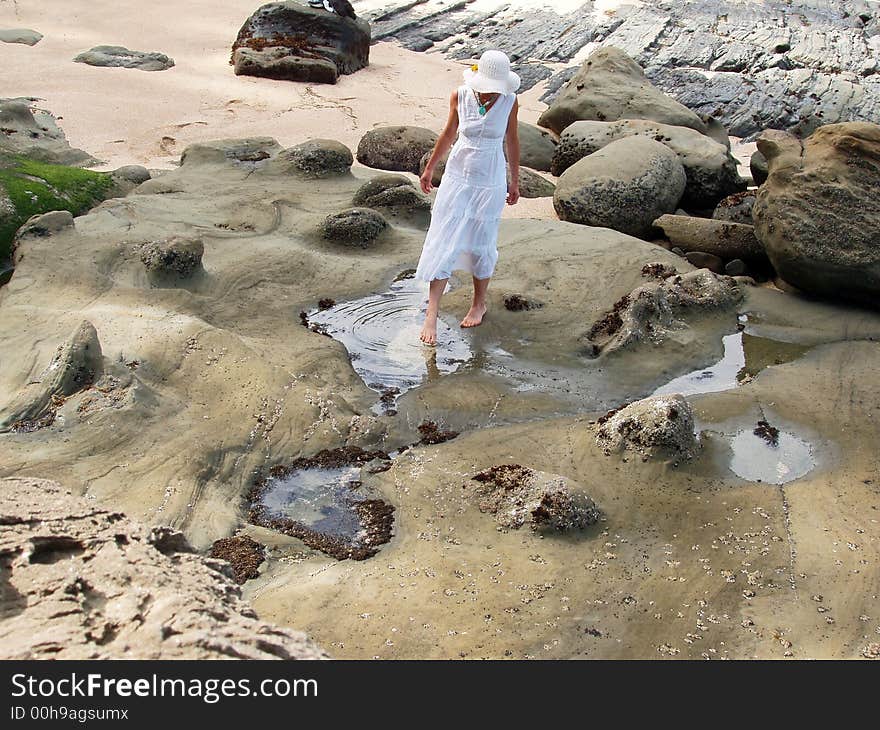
(492, 74)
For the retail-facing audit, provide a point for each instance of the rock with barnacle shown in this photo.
(519, 496)
(661, 427)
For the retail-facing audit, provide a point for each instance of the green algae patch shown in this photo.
(28, 187)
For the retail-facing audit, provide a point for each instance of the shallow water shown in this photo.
(745, 355)
(757, 460)
(319, 498)
(381, 333)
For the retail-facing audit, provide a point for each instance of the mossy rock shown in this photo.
(28, 188)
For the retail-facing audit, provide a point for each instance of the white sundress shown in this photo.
(467, 209)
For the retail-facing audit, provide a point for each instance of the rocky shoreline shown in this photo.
(660, 443)
(750, 65)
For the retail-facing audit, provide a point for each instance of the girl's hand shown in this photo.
(513, 192)
(425, 181)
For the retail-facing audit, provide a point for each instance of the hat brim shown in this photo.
(479, 82)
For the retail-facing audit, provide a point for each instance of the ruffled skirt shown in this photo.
(465, 216)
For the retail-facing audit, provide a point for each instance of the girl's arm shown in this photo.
(512, 139)
(442, 145)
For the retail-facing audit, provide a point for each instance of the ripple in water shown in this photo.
(757, 460)
(381, 334)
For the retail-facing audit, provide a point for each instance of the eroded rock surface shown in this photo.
(818, 213)
(395, 148)
(80, 581)
(656, 308)
(659, 427)
(294, 42)
(519, 496)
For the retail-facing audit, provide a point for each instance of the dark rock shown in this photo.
(536, 147)
(625, 186)
(119, 57)
(395, 148)
(392, 192)
(533, 185)
(736, 267)
(294, 42)
(758, 167)
(316, 158)
(736, 208)
(354, 227)
(176, 257)
(705, 261)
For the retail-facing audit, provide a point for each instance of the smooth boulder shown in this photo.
(611, 86)
(721, 238)
(398, 148)
(294, 42)
(120, 57)
(818, 213)
(25, 36)
(626, 186)
(710, 168)
(316, 158)
(357, 227)
(536, 147)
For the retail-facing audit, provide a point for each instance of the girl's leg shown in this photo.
(429, 331)
(478, 308)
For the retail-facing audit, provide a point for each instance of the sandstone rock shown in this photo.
(248, 151)
(26, 36)
(316, 158)
(42, 225)
(75, 366)
(119, 57)
(35, 134)
(704, 260)
(758, 167)
(395, 148)
(135, 174)
(519, 496)
(83, 582)
(710, 168)
(720, 238)
(536, 147)
(177, 257)
(626, 185)
(295, 42)
(818, 213)
(533, 185)
(611, 86)
(394, 193)
(354, 227)
(650, 312)
(659, 427)
(736, 208)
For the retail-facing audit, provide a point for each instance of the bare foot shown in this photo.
(475, 316)
(429, 330)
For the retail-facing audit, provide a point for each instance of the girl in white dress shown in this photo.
(467, 209)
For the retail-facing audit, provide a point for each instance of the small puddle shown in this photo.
(381, 334)
(323, 502)
(779, 460)
(745, 355)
